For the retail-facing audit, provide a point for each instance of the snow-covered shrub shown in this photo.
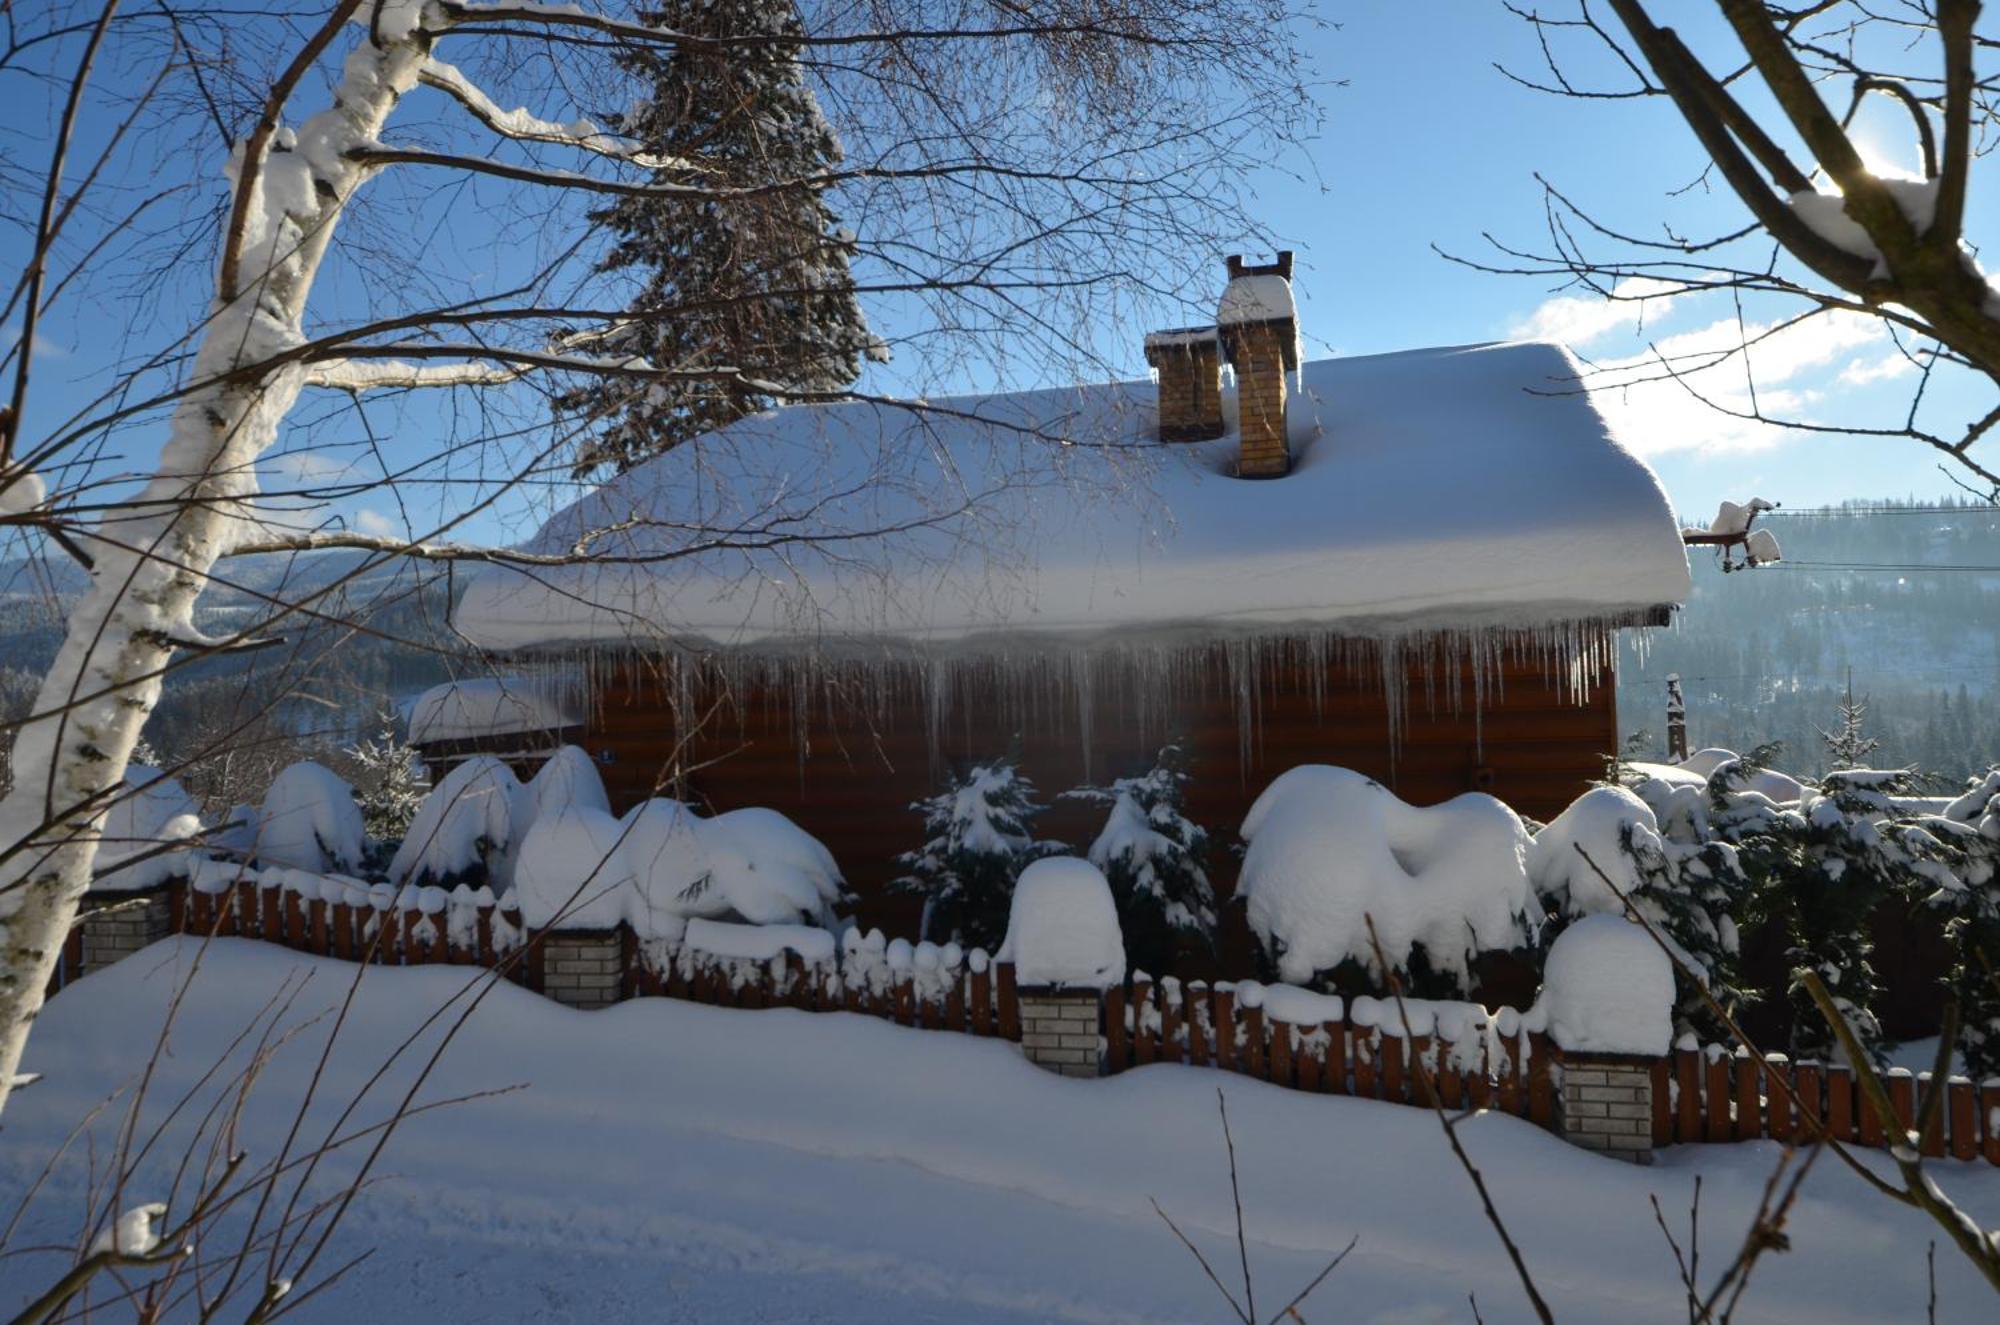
(1687, 890)
(1062, 926)
(977, 843)
(767, 869)
(388, 782)
(310, 821)
(151, 811)
(1153, 855)
(567, 779)
(464, 832)
(1330, 849)
(569, 872)
(1607, 988)
(1968, 838)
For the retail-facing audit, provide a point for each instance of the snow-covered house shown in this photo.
(519, 719)
(1411, 564)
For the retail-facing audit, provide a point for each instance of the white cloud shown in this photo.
(301, 468)
(1860, 372)
(1783, 375)
(1580, 319)
(370, 521)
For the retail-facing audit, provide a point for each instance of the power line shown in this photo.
(1878, 566)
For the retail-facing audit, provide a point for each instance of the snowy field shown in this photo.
(668, 1161)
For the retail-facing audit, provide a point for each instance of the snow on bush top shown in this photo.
(1329, 848)
(465, 827)
(1432, 488)
(310, 821)
(1598, 822)
(567, 778)
(151, 810)
(1607, 988)
(1782, 788)
(663, 864)
(490, 706)
(1062, 928)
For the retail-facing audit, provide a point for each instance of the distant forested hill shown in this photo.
(1764, 655)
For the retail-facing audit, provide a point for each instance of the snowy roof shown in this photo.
(490, 706)
(1432, 489)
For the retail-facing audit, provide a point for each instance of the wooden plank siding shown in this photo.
(861, 765)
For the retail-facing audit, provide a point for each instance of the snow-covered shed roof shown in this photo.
(1440, 489)
(491, 706)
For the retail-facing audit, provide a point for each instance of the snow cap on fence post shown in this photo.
(1607, 1001)
(1066, 947)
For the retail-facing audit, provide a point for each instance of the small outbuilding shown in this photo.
(1414, 564)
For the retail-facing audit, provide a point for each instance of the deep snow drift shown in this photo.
(675, 1162)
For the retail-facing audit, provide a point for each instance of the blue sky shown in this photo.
(1428, 144)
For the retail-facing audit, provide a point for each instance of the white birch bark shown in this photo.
(154, 556)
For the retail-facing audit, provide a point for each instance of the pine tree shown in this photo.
(1969, 835)
(388, 782)
(759, 283)
(1152, 854)
(977, 842)
(1849, 747)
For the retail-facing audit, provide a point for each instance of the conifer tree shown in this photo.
(1152, 854)
(1848, 746)
(387, 781)
(977, 842)
(757, 283)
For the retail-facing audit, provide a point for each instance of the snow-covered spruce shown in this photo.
(1062, 927)
(1689, 891)
(388, 782)
(758, 283)
(310, 821)
(465, 831)
(1154, 857)
(1331, 849)
(977, 842)
(1967, 835)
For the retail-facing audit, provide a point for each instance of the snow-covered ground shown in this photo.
(668, 1161)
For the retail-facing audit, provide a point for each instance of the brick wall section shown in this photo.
(1060, 1031)
(1257, 353)
(120, 926)
(1190, 391)
(1606, 1105)
(583, 968)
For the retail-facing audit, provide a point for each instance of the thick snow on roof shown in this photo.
(1432, 489)
(490, 706)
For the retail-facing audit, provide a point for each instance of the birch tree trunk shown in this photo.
(152, 557)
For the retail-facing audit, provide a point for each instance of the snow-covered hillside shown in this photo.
(675, 1162)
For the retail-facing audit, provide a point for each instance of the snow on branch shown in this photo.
(525, 126)
(350, 375)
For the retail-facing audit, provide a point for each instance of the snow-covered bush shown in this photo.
(1689, 891)
(1331, 849)
(1153, 856)
(151, 811)
(1607, 988)
(1062, 926)
(310, 821)
(569, 872)
(663, 865)
(567, 779)
(1968, 838)
(465, 830)
(977, 843)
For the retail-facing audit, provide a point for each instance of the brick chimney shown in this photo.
(1258, 326)
(1189, 362)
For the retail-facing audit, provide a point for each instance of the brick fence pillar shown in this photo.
(1062, 1029)
(583, 968)
(116, 925)
(1606, 1104)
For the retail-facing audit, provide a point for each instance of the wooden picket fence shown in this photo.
(1705, 1095)
(1716, 1095)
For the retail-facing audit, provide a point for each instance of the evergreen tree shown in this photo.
(1848, 747)
(758, 283)
(1152, 854)
(388, 782)
(1969, 832)
(976, 844)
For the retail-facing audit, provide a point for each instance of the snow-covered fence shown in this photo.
(1323, 1043)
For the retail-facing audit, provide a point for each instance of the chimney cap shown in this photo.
(1282, 267)
(1183, 339)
